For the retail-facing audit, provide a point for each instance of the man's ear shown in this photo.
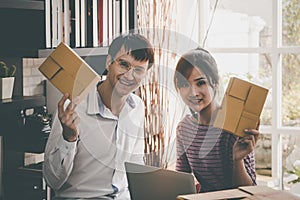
(108, 62)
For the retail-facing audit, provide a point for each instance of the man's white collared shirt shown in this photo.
(93, 166)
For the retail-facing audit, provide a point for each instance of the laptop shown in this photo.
(149, 183)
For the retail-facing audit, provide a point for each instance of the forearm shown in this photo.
(54, 173)
(59, 156)
(240, 177)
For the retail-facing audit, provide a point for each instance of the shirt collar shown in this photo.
(130, 101)
(96, 105)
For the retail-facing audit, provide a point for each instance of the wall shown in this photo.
(262, 8)
(32, 78)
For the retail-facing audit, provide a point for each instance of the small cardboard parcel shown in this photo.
(241, 106)
(68, 72)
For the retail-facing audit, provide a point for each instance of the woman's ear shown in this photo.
(215, 88)
(108, 62)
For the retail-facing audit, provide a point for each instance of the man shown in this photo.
(90, 141)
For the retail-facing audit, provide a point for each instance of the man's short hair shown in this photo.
(135, 45)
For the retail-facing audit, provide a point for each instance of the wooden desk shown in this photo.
(245, 193)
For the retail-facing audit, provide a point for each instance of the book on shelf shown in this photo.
(66, 18)
(95, 23)
(131, 14)
(117, 18)
(60, 23)
(57, 22)
(83, 23)
(124, 16)
(92, 23)
(105, 23)
(54, 24)
(110, 21)
(89, 23)
(72, 24)
(48, 34)
(77, 23)
(100, 22)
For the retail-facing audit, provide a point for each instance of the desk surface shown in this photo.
(245, 193)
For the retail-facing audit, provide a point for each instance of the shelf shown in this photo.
(93, 51)
(19, 52)
(30, 5)
(21, 102)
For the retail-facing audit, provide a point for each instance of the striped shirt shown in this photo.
(206, 152)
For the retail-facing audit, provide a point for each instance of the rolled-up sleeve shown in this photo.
(59, 157)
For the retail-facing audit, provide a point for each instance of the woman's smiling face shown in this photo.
(196, 91)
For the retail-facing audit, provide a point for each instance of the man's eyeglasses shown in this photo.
(124, 66)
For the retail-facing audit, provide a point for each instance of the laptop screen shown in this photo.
(147, 182)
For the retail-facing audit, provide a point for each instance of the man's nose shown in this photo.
(130, 74)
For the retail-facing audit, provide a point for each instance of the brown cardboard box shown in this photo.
(245, 192)
(68, 72)
(241, 106)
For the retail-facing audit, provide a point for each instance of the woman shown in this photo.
(218, 159)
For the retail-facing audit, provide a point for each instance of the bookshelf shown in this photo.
(95, 51)
(23, 32)
(87, 26)
(30, 5)
(87, 23)
(28, 30)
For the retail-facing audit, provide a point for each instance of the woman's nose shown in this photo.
(194, 90)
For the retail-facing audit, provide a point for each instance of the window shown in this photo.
(259, 40)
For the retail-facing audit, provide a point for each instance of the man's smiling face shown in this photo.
(125, 73)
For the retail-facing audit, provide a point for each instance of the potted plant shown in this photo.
(6, 80)
(295, 178)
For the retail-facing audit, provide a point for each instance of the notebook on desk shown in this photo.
(148, 183)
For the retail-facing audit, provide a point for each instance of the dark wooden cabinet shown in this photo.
(19, 182)
(1, 167)
(27, 183)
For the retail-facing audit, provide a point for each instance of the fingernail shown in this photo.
(246, 130)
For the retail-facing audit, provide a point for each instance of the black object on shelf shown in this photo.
(35, 131)
(25, 132)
